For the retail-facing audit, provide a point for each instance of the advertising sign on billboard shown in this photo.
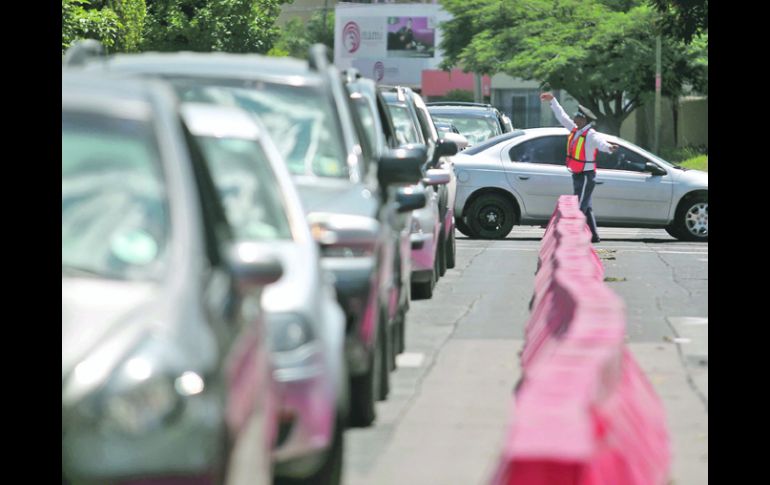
(411, 37)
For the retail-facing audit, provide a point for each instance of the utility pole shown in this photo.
(478, 96)
(658, 86)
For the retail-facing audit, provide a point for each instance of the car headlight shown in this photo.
(145, 406)
(288, 332)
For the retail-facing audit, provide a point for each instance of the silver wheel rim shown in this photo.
(697, 219)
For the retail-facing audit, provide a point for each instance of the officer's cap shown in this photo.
(585, 113)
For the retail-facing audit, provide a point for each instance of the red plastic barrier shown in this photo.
(585, 414)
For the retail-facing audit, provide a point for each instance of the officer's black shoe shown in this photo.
(595, 239)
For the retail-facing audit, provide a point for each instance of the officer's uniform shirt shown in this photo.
(594, 140)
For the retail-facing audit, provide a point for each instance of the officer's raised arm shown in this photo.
(558, 111)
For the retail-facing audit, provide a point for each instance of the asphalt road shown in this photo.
(450, 399)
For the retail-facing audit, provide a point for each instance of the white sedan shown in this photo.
(517, 177)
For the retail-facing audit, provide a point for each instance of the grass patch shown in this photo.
(697, 163)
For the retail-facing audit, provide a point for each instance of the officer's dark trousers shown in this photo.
(583, 185)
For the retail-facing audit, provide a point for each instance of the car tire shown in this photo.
(365, 389)
(384, 387)
(441, 257)
(424, 290)
(691, 221)
(330, 472)
(451, 251)
(463, 227)
(401, 342)
(491, 216)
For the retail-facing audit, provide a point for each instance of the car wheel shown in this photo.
(491, 216)
(442, 256)
(364, 390)
(450, 251)
(401, 343)
(463, 227)
(330, 472)
(692, 220)
(424, 290)
(384, 368)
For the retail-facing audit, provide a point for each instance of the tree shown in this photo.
(297, 35)
(211, 25)
(82, 20)
(683, 19)
(601, 52)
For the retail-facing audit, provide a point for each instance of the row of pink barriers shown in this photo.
(584, 412)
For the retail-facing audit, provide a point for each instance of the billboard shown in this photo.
(411, 37)
(388, 43)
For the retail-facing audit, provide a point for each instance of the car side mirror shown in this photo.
(458, 139)
(251, 266)
(654, 169)
(344, 235)
(402, 165)
(410, 198)
(436, 176)
(444, 148)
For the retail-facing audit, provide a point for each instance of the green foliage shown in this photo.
(80, 20)
(211, 25)
(297, 36)
(677, 155)
(131, 14)
(458, 95)
(697, 163)
(601, 52)
(683, 19)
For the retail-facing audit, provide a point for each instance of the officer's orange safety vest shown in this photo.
(576, 153)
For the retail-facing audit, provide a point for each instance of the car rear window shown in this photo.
(492, 142)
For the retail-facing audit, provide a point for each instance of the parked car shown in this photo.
(379, 136)
(304, 106)
(427, 236)
(444, 148)
(516, 178)
(305, 323)
(476, 121)
(165, 364)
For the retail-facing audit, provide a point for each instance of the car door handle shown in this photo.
(523, 178)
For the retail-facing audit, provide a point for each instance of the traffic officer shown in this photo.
(583, 144)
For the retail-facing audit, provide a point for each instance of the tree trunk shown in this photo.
(609, 125)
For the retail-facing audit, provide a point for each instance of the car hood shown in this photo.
(106, 321)
(339, 197)
(95, 310)
(694, 177)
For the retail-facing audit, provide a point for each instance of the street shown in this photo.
(451, 396)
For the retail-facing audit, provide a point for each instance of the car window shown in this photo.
(300, 119)
(621, 159)
(406, 132)
(115, 221)
(476, 129)
(549, 150)
(248, 188)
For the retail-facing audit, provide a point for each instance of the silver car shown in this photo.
(516, 178)
(305, 323)
(165, 363)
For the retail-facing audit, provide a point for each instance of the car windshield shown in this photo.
(248, 188)
(114, 206)
(476, 129)
(299, 119)
(406, 132)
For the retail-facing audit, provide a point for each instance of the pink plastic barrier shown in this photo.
(585, 414)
